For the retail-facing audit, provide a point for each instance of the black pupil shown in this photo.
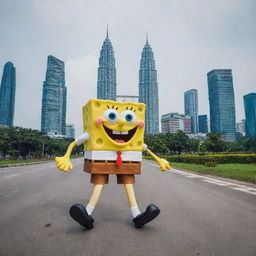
(128, 117)
(112, 116)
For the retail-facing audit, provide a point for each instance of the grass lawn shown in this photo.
(244, 172)
(5, 162)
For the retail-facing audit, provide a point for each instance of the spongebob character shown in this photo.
(113, 144)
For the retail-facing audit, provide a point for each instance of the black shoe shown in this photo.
(79, 214)
(151, 212)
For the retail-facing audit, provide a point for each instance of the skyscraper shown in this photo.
(106, 84)
(53, 118)
(191, 108)
(222, 103)
(7, 95)
(70, 131)
(250, 114)
(148, 89)
(203, 124)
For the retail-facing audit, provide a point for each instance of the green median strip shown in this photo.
(7, 162)
(4, 163)
(243, 172)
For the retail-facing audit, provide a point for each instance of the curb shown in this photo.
(33, 163)
(239, 182)
(22, 164)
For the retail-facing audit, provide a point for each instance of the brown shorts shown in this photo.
(101, 179)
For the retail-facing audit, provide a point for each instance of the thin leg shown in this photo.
(132, 200)
(130, 195)
(94, 198)
(140, 219)
(82, 214)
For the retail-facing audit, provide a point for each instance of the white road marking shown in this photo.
(13, 192)
(214, 181)
(8, 170)
(10, 176)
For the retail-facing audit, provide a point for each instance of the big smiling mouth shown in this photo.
(120, 136)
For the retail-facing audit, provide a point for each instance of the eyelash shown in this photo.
(126, 108)
(131, 109)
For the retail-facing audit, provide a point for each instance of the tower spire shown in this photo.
(146, 37)
(107, 32)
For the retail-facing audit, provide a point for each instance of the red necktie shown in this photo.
(119, 161)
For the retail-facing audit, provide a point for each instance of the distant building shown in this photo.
(148, 89)
(250, 114)
(173, 122)
(222, 103)
(203, 124)
(191, 108)
(7, 95)
(56, 136)
(53, 118)
(70, 131)
(106, 84)
(127, 98)
(240, 127)
(197, 136)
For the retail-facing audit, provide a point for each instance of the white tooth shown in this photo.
(126, 132)
(116, 132)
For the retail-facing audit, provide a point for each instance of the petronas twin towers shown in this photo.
(148, 87)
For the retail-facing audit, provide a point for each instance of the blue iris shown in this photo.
(129, 117)
(112, 116)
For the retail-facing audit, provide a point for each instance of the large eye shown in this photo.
(129, 116)
(111, 115)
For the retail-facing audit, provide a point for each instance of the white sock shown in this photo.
(135, 211)
(89, 209)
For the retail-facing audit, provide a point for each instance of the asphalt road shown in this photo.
(199, 216)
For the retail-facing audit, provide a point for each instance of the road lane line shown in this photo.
(214, 181)
(10, 176)
(246, 190)
(11, 193)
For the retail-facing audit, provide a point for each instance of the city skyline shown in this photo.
(54, 99)
(148, 89)
(250, 114)
(222, 103)
(195, 43)
(191, 108)
(106, 82)
(7, 94)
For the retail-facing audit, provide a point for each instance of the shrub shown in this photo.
(218, 158)
(210, 164)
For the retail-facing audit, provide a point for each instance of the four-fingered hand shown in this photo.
(64, 163)
(164, 165)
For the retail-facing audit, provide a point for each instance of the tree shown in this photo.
(177, 142)
(214, 143)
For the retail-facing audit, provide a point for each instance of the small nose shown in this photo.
(121, 121)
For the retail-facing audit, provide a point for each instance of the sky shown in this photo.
(189, 38)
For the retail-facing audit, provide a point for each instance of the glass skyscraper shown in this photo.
(53, 118)
(222, 103)
(203, 124)
(7, 95)
(191, 108)
(70, 131)
(250, 114)
(148, 89)
(106, 84)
